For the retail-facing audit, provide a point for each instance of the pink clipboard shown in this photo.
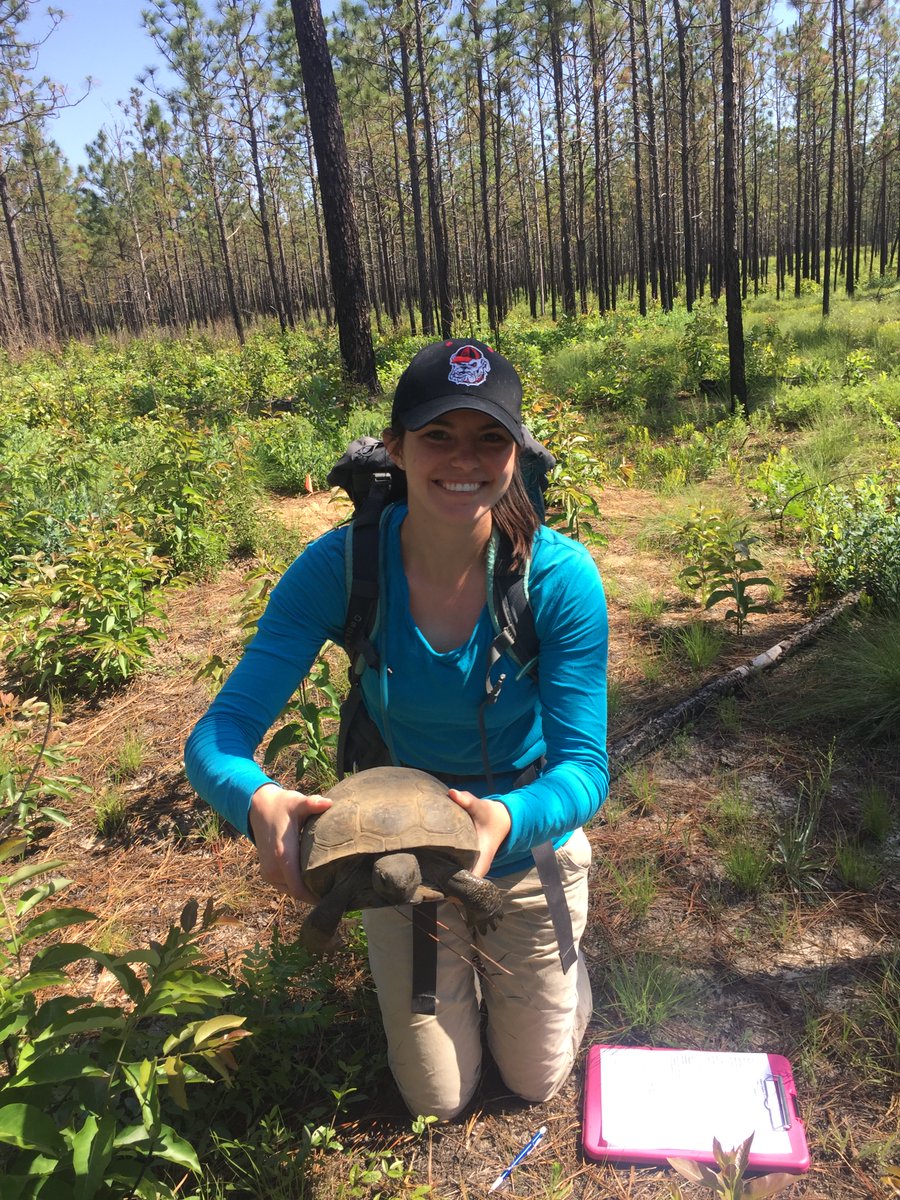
(644, 1105)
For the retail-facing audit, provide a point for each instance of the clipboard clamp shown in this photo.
(776, 1101)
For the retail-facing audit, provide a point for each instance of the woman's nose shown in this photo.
(465, 451)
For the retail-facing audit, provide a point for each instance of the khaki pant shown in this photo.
(536, 1015)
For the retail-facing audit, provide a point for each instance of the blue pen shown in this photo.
(523, 1153)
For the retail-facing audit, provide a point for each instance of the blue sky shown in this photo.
(106, 39)
(101, 38)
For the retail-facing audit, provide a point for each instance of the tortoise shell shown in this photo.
(382, 810)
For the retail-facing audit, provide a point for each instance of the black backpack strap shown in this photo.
(424, 958)
(515, 633)
(362, 568)
(510, 605)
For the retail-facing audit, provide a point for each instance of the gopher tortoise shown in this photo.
(392, 836)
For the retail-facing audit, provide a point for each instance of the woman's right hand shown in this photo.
(277, 816)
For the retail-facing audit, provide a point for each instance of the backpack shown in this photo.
(372, 481)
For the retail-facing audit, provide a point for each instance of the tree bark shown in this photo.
(686, 217)
(638, 184)
(433, 175)
(733, 310)
(347, 276)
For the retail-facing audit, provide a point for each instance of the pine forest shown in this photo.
(560, 155)
(679, 222)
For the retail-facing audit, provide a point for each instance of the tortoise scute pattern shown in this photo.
(381, 810)
(390, 816)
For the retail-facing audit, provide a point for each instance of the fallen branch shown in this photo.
(653, 733)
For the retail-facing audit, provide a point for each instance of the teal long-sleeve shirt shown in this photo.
(426, 704)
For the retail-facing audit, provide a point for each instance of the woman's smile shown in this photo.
(457, 466)
(458, 487)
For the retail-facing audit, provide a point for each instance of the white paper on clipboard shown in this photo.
(670, 1100)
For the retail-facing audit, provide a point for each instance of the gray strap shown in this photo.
(551, 881)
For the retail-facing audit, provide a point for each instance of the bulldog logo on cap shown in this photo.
(468, 367)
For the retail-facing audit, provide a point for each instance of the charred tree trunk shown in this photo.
(687, 221)
(733, 310)
(638, 184)
(415, 190)
(347, 275)
(432, 173)
(832, 140)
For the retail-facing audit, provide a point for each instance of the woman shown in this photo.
(455, 430)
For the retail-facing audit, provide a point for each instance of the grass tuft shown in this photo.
(856, 681)
(644, 991)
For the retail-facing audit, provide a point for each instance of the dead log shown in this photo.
(628, 749)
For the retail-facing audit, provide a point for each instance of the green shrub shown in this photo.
(722, 568)
(188, 491)
(87, 620)
(856, 538)
(289, 448)
(704, 345)
(34, 775)
(90, 1090)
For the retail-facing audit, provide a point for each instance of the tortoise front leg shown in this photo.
(318, 930)
(482, 901)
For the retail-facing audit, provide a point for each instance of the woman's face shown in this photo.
(457, 466)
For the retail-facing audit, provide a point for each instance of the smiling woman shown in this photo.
(529, 766)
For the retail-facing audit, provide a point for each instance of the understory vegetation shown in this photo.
(152, 1063)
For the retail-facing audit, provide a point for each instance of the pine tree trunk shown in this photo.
(638, 183)
(15, 250)
(686, 216)
(433, 176)
(832, 140)
(658, 224)
(347, 275)
(415, 190)
(733, 311)
(565, 234)
(486, 235)
(850, 194)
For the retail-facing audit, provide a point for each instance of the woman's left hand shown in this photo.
(492, 824)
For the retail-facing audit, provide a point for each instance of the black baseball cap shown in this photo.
(460, 373)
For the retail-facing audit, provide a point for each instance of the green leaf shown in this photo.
(92, 1149)
(29, 1128)
(35, 980)
(287, 736)
(208, 1029)
(142, 1078)
(92, 1018)
(175, 1149)
(53, 920)
(29, 871)
(57, 1068)
(30, 899)
(64, 953)
(174, 1068)
(12, 847)
(11, 1023)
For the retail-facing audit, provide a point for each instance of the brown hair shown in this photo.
(513, 513)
